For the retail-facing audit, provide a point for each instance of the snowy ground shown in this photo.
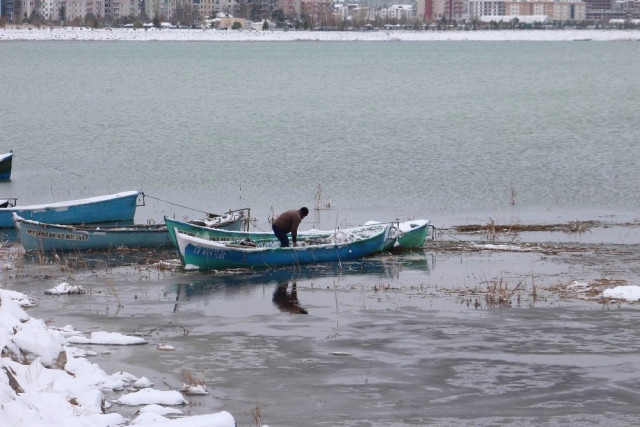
(45, 380)
(151, 34)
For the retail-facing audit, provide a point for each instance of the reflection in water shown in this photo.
(288, 301)
(238, 283)
(99, 259)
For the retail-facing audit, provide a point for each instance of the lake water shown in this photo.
(456, 132)
(453, 132)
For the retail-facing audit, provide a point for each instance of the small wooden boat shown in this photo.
(45, 237)
(202, 254)
(5, 166)
(101, 209)
(404, 235)
(235, 221)
(408, 234)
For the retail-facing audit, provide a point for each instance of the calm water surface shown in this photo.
(450, 131)
(453, 132)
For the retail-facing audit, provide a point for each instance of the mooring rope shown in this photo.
(175, 204)
(49, 166)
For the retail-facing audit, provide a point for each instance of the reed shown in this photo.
(256, 412)
(191, 379)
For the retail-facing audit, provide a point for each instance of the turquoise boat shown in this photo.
(5, 166)
(202, 254)
(409, 235)
(44, 237)
(232, 222)
(404, 235)
(101, 209)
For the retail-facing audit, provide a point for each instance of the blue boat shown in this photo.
(403, 235)
(202, 254)
(101, 209)
(44, 237)
(5, 166)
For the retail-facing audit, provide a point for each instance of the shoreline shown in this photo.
(154, 34)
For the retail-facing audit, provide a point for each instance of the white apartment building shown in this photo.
(398, 11)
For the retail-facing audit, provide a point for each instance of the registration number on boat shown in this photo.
(59, 236)
(209, 253)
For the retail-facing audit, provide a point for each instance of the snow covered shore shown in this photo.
(46, 381)
(154, 34)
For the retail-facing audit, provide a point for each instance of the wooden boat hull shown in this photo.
(233, 225)
(102, 209)
(406, 235)
(202, 254)
(39, 236)
(5, 166)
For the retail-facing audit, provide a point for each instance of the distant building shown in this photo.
(556, 10)
(352, 12)
(520, 19)
(6, 8)
(400, 12)
(323, 11)
(605, 10)
(478, 8)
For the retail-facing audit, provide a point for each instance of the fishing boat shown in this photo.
(408, 234)
(5, 166)
(235, 222)
(101, 209)
(45, 237)
(203, 254)
(404, 235)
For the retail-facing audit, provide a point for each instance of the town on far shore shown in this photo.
(324, 15)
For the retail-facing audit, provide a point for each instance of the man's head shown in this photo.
(304, 212)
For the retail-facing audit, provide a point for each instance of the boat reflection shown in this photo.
(97, 259)
(232, 284)
(288, 301)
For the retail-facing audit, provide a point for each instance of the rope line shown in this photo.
(175, 204)
(51, 167)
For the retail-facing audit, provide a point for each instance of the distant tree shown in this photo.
(306, 22)
(265, 25)
(156, 21)
(17, 6)
(143, 17)
(278, 15)
(35, 18)
(186, 14)
(179, 14)
(127, 20)
(62, 13)
(236, 25)
(91, 20)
